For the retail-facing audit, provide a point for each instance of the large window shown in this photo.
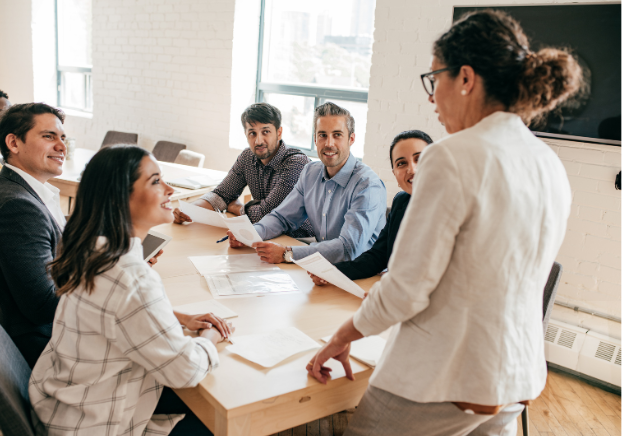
(74, 59)
(313, 52)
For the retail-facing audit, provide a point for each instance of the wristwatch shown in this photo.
(288, 255)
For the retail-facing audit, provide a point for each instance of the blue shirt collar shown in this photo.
(343, 176)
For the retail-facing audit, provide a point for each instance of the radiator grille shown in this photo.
(618, 358)
(566, 339)
(551, 332)
(605, 351)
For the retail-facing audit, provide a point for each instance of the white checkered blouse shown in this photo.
(111, 353)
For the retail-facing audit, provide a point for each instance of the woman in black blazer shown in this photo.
(404, 154)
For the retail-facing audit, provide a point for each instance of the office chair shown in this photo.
(190, 158)
(166, 151)
(550, 289)
(14, 400)
(112, 138)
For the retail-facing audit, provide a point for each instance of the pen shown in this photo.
(223, 239)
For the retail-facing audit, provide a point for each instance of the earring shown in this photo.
(463, 92)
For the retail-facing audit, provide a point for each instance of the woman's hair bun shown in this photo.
(549, 78)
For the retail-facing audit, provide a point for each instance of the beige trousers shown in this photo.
(381, 413)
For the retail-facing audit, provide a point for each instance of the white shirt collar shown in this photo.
(45, 191)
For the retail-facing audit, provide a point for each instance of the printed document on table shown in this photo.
(318, 265)
(210, 265)
(242, 229)
(368, 350)
(207, 306)
(250, 283)
(201, 215)
(268, 349)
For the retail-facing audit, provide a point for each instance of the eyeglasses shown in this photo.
(428, 83)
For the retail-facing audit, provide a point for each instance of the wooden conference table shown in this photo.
(241, 397)
(70, 179)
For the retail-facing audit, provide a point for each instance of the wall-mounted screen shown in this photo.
(592, 33)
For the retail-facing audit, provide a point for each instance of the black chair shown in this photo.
(14, 402)
(112, 138)
(548, 300)
(166, 151)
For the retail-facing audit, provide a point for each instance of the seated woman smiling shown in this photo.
(404, 155)
(116, 342)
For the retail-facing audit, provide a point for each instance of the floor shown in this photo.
(567, 407)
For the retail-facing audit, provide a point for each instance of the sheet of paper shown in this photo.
(271, 348)
(318, 265)
(210, 265)
(207, 306)
(367, 350)
(243, 230)
(250, 283)
(201, 215)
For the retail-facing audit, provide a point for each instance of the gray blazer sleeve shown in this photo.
(27, 237)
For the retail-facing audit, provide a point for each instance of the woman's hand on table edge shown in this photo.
(337, 348)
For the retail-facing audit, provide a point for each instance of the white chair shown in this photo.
(190, 158)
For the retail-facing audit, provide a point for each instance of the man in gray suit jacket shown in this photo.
(31, 222)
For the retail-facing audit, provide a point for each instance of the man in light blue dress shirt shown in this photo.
(344, 200)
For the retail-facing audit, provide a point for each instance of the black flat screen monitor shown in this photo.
(591, 31)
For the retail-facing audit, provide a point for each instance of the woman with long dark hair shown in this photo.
(487, 216)
(117, 347)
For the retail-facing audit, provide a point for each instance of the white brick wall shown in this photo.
(590, 254)
(162, 69)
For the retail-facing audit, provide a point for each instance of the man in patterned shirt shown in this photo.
(268, 167)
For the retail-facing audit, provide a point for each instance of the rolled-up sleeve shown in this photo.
(427, 233)
(290, 214)
(366, 210)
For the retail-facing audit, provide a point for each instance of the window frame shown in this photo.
(319, 93)
(60, 69)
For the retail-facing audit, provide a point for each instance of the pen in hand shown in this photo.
(222, 240)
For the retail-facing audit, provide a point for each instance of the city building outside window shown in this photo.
(313, 52)
(74, 54)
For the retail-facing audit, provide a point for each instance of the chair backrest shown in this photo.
(112, 138)
(190, 158)
(549, 293)
(14, 401)
(166, 151)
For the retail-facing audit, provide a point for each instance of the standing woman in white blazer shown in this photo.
(478, 240)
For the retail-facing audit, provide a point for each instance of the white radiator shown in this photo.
(583, 351)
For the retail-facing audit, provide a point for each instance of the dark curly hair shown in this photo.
(4, 94)
(493, 44)
(19, 119)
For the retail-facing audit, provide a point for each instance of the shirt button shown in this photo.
(329, 191)
(323, 214)
(323, 238)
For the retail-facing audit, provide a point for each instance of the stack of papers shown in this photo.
(210, 265)
(268, 349)
(367, 350)
(194, 182)
(208, 306)
(318, 265)
(242, 275)
(253, 283)
(240, 226)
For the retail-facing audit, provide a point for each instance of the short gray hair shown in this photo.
(331, 109)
